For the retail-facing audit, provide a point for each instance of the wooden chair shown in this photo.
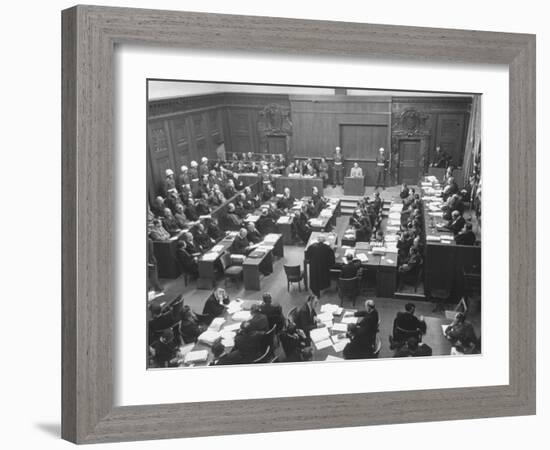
(269, 337)
(264, 358)
(294, 274)
(400, 335)
(231, 272)
(291, 316)
(348, 288)
(377, 348)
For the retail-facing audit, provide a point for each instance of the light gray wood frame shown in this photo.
(89, 36)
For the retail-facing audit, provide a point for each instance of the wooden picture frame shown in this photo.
(89, 37)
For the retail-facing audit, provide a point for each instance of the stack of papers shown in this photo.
(432, 238)
(217, 248)
(196, 356)
(284, 219)
(230, 328)
(362, 257)
(319, 334)
(331, 308)
(315, 222)
(241, 316)
(339, 345)
(210, 256)
(378, 250)
(349, 319)
(323, 344)
(217, 323)
(271, 237)
(251, 218)
(340, 327)
(234, 306)
(209, 337)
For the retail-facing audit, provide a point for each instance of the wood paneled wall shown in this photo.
(184, 129)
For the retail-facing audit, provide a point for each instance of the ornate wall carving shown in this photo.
(274, 120)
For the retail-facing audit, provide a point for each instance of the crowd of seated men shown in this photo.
(289, 339)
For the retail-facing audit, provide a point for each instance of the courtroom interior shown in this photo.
(306, 224)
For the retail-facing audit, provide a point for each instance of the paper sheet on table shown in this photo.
(349, 312)
(333, 358)
(210, 256)
(323, 344)
(241, 316)
(340, 327)
(208, 337)
(217, 248)
(325, 316)
(196, 356)
(319, 334)
(349, 319)
(217, 323)
(271, 237)
(232, 327)
(331, 308)
(328, 324)
(184, 349)
(234, 306)
(339, 346)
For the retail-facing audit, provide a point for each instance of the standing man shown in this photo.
(381, 169)
(356, 171)
(338, 168)
(220, 150)
(321, 259)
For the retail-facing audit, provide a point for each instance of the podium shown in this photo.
(354, 186)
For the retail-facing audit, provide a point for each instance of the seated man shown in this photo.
(361, 344)
(404, 192)
(454, 203)
(461, 333)
(450, 188)
(190, 327)
(350, 268)
(306, 316)
(233, 221)
(202, 239)
(215, 304)
(413, 348)
(249, 343)
(268, 192)
(190, 245)
(356, 171)
(466, 236)
(273, 312)
(258, 320)
(165, 349)
(180, 217)
(252, 234)
(295, 344)
(203, 207)
(406, 325)
(157, 207)
(170, 223)
(286, 201)
(187, 261)
(240, 245)
(213, 230)
(266, 224)
(369, 320)
(456, 224)
(362, 225)
(157, 232)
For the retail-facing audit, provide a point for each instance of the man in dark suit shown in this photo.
(272, 311)
(286, 201)
(361, 344)
(240, 244)
(258, 320)
(456, 224)
(266, 224)
(406, 322)
(252, 234)
(249, 343)
(466, 236)
(306, 316)
(349, 270)
(232, 220)
(321, 260)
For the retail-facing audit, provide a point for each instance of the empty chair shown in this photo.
(294, 274)
(348, 288)
(231, 271)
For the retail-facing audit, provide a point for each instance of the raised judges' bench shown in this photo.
(300, 186)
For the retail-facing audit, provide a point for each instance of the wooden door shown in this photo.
(160, 152)
(409, 161)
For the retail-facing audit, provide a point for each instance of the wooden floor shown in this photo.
(277, 286)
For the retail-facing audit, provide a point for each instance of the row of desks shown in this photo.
(253, 267)
(444, 260)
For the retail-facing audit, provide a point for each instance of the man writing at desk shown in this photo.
(241, 244)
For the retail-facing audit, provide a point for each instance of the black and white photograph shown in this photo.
(290, 224)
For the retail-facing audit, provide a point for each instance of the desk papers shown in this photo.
(209, 337)
(319, 334)
(333, 358)
(339, 346)
(331, 308)
(196, 356)
(340, 327)
(349, 319)
(217, 323)
(241, 316)
(323, 344)
(210, 256)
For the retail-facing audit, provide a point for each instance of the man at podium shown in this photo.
(356, 171)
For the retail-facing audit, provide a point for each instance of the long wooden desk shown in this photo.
(208, 261)
(299, 186)
(255, 267)
(444, 260)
